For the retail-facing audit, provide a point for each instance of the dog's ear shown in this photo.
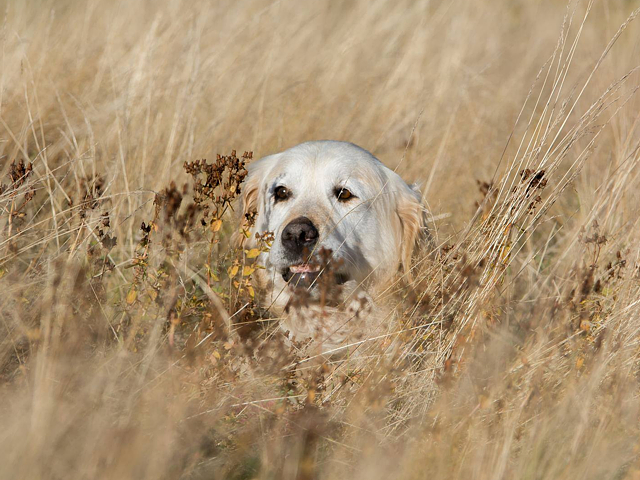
(250, 194)
(413, 217)
(257, 172)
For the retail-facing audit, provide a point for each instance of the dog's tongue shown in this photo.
(304, 268)
(303, 275)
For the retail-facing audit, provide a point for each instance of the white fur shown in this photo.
(373, 234)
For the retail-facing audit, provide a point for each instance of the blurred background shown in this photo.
(135, 88)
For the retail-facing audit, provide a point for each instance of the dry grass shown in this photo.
(130, 352)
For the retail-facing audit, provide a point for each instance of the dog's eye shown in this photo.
(343, 194)
(281, 193)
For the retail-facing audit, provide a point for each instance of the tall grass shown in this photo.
(130, 342)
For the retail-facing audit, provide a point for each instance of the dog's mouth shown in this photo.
(305, 275)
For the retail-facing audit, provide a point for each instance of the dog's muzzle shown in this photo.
(299, 241)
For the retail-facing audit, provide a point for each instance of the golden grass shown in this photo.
(513, 352)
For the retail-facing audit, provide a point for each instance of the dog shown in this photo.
(337, 214)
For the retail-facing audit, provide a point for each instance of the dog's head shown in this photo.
(337, 197)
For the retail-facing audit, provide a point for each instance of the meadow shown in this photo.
(132, 344)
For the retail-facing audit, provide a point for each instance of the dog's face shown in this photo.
(330, 196)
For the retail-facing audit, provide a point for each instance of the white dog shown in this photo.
(329, 196)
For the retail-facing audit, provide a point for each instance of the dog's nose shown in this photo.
(299, 234)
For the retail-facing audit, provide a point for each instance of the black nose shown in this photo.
(298, 235)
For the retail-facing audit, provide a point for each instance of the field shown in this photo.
(131, 344)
